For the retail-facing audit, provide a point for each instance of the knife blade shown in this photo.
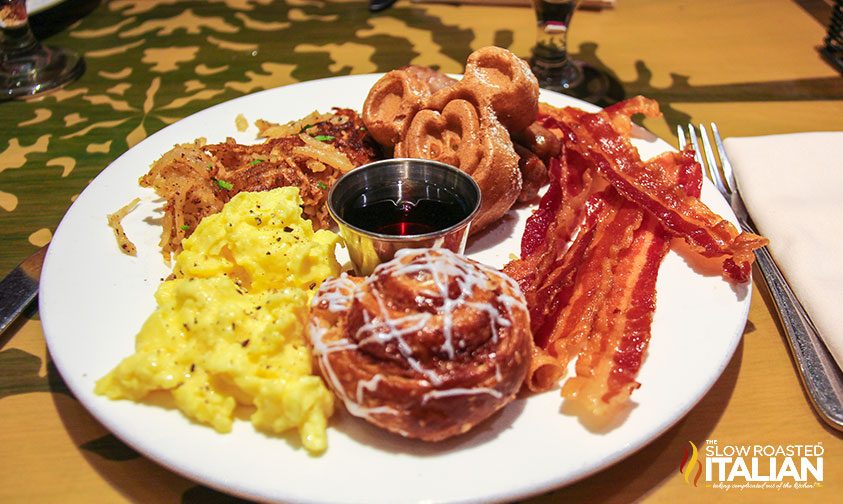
(379, 5)
(19, 288)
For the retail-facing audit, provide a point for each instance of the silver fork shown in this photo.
(820, 374)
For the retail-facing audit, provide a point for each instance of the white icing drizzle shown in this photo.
(435, 394)
(371, 385)
(322, 350)
(338, 292)
(443, 268)
(498, 376)
(385, 329)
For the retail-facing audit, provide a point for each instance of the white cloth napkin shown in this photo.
(793, 188)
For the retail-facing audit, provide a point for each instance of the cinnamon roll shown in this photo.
(427, 347)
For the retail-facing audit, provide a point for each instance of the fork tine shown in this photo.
(716, 177)
(680, 133)
(724, 160)
(697, 155)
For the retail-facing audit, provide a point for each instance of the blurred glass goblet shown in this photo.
(550, 62)
(27, 67)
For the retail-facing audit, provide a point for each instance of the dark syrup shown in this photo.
(388, 218)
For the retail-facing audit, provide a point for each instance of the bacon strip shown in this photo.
(539, 223)
(594, 299)
(550, 227)
(615, 158)
(607, 368)
(579, 284)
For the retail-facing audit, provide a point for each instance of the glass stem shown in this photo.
(16, 37)
(553, 18)
(27, 67)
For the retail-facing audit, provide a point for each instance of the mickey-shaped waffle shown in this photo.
(464, 123)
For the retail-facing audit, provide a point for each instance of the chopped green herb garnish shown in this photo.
(225, 185)
(321, 185)
(324, 138)
(184, 227)
(210, 165)
(307, 127)
(255, 161)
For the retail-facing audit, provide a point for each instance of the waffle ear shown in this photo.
(391, 104)
(504, 82)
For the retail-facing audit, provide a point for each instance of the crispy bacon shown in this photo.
(550, 227)
(616, 159)
(594, 298)
(607, 368)
(579, 285)
(538, 224)
(621, 113)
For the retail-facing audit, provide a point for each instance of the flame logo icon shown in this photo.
(690, 463)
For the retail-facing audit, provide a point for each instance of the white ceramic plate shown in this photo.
(94, 299)
(36, 6)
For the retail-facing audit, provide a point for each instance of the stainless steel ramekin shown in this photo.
(402, 180)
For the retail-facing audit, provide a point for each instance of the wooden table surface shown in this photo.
(751, 65)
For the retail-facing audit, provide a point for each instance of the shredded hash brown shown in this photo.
(115, 222)
(196, 180)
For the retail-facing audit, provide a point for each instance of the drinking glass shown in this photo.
(27, 67)
(550, 62)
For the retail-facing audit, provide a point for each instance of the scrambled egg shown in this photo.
(230, 327)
